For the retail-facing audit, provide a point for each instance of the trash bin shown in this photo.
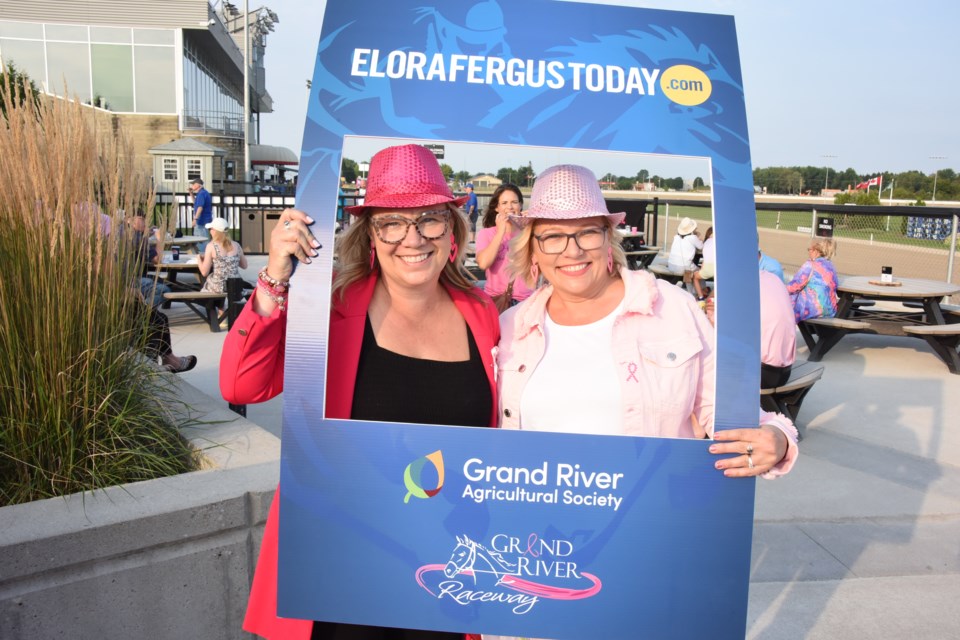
(251, 230)
(271, 218)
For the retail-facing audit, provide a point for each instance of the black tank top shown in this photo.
(395, 388)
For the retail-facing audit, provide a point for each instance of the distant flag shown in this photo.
(862, 185)
(875, 181)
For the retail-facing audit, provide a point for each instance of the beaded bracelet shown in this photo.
(265, 278)
(274, 289)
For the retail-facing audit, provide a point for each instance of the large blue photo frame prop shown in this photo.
(519, 533)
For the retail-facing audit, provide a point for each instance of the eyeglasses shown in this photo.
(586, 239)
(431, 225)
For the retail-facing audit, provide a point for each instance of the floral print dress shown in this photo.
(813, 290)
(224, 267)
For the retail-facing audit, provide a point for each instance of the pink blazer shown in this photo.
(251, 370)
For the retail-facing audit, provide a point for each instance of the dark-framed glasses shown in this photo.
(586, 239)
(431, 225)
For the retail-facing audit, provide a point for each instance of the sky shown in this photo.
(846, 84)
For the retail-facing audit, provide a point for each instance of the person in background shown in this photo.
(683, 250)
(771, 264)
(472, 210)
(411, 339)
(493, 244)
(602, 349)
(151, 290)
(202, 211)
(222, 259)
(814, 287)
(778, 332)
(707, 266)
(146, 255)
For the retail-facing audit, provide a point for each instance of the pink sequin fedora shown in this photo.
(566, 192)
(405, 177)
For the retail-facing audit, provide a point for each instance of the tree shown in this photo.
(698, 183)
(462, 177)
(524, 175)
(20, 85)
(447, 171)
(349, 170)
(643, 175)
(624, 184)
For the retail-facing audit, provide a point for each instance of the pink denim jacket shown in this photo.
(666, 362)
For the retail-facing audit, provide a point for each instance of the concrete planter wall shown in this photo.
(169, 558)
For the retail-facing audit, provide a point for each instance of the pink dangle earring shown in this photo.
(535, 272)
(373, 254)
(610, 260)
(453, 247)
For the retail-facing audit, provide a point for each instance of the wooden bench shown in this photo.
(943, 338)
(951, 312)
(665, 273)
(821, 334)
(203, 303)
(787, 398)
(641, 258)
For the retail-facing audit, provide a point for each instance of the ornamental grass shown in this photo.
(81, 407)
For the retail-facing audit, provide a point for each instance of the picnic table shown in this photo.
(171, 269)
(184, 242)
(926, 319)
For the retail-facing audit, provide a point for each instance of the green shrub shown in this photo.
(80, 407)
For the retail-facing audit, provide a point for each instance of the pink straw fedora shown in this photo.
(405, 177)
(566, 192)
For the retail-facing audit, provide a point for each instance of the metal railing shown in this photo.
(919, 242)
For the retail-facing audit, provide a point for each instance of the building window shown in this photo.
(194, 169)
(171, 170)
(155, 79)
(113, 75)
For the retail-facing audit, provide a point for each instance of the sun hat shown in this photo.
(566, 192)
(217, 223)
(686, 227)
(405, 177)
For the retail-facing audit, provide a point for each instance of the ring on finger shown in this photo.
(286, 224)
(750, 464)
(749, 449)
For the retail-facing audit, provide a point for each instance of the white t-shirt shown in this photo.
(682, 252)
(574, 388)
(710, 250)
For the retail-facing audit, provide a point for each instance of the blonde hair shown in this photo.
(826, 247)
(521, 251)
(353, 250)
(223, 239)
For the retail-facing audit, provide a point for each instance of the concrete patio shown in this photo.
(862, 540)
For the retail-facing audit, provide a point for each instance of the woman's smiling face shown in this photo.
(574, 272)
(416, 258)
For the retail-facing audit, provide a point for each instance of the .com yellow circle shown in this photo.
(686, 85)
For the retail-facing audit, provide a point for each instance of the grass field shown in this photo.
(873, 228)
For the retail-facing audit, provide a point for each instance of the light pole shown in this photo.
(935, 173)
(364, 167)
(826, 181)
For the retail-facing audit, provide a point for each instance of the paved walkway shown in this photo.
(862, 539)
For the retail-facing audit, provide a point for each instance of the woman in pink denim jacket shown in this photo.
(605, 350)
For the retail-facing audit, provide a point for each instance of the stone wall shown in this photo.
(169, 558)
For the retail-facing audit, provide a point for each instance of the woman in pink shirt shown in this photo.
(603, 349)
(493, 243)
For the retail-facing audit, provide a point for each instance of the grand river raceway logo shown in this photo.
(509, 571)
